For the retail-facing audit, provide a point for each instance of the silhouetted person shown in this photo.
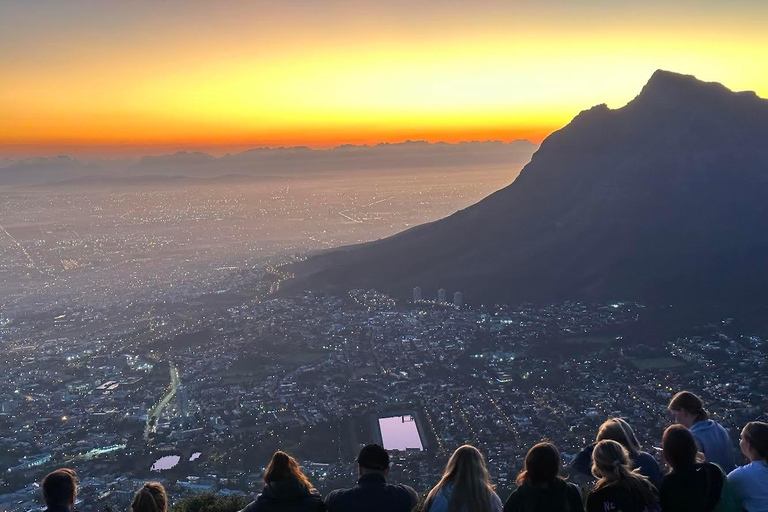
(750, 482)
(465, 486)
(60, 490)
(619, 488)
(150, 498)
(539, 486)
(693, 485)
(711, 437)
(616, 429)
(372, 493)
(287, 489)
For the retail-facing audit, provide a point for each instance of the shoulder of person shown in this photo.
(314, 495)
(594, 501)
(407, 488)
(334, 494)
(572, 488)
(252, 506)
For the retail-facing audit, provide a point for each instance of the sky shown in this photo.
(124, 77)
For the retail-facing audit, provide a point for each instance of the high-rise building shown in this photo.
(458, 299)
(417, 294)
(182, 402)
(442, 295)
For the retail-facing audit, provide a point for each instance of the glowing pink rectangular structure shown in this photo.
(400, 433)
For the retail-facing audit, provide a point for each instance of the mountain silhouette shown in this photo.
(662, 200)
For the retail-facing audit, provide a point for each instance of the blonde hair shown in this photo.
(616, 429)
(150, 498)
(612, 466)
(472, 487)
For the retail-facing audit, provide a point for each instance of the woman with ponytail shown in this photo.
(617, 429)
(465, 486)
(618, 487)
(286, 489)
(150, 498)
(711, 437)
(750, 482)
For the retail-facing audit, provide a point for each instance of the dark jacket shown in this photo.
(700, 488)
(643, 461)
(618, 498)
(286, 496)
(372, 494)
(560, 497)
(57, 508)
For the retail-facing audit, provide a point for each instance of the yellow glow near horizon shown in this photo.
(315, 87)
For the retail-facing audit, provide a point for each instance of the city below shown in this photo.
(200, 397)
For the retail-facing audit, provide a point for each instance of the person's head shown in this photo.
(687, 409)
(679, 447)
(616, 429)
(754, 441)
(467, 473)
(542, 465)
(150, 498)
(283, 467)
(60, 488)
(608, 458)
(612, 466)
(373, 459)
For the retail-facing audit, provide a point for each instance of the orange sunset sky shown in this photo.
(134, 77)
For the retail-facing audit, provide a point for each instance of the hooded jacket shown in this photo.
(715, 443)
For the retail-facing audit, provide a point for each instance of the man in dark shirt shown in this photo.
(372, 493)
(60, 490)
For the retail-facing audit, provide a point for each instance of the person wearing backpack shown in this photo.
(693, 485)
(540, 488)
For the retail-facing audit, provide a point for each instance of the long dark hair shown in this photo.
(542, 465)
(611, 465)
(472, 486)
(282, 467)
(150, 498)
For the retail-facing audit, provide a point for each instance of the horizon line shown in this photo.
(109, 150)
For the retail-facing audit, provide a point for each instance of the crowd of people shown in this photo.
(701, 477)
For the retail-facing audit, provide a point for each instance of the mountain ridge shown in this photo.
(626, 203)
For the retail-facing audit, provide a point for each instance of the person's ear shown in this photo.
(386, 472)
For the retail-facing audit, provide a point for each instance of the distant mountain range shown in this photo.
(158, 181)
(662, 200)
(409, 156)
